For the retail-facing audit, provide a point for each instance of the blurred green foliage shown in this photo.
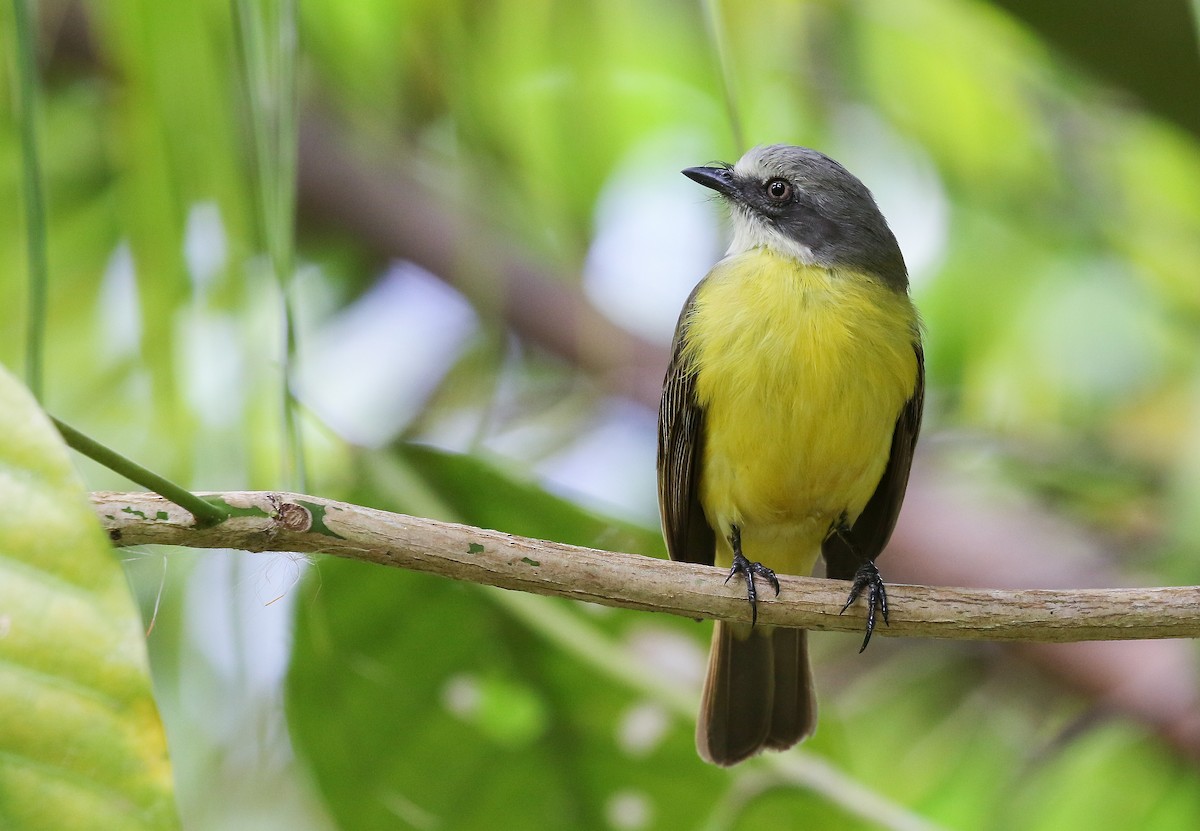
(1057, 279)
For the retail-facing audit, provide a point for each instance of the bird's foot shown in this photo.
(867, 577)
(748, 570)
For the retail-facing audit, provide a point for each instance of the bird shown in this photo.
(789, 415)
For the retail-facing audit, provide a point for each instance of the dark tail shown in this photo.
(758, 693)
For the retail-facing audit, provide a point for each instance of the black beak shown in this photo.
(719, 179)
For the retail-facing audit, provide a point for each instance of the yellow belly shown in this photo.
(802, 373)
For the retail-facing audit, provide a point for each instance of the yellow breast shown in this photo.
(802, 373)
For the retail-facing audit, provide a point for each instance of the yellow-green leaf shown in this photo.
(81, 743)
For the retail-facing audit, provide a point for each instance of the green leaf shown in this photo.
(420, 703)
(81, 744)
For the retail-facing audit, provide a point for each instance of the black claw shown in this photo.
(867, 577)
(748, 570)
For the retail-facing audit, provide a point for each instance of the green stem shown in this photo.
(206, 513)
(35, 215)
(266, 38)
(716, 34)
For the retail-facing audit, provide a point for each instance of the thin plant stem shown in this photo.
(267, 44)
(26, 99)
(205, 513)
(716, 34)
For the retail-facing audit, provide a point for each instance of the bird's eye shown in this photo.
(779, 190)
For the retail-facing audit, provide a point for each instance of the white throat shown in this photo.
(751, 232)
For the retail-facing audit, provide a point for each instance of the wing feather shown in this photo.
(680, 456)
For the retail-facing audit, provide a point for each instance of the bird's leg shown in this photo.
(866, 577)
(748, 569)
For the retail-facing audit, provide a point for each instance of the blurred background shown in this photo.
(468, 320)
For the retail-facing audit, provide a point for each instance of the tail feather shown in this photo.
(794, 710)
(758, 693)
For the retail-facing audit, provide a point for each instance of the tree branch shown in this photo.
(266, 521)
